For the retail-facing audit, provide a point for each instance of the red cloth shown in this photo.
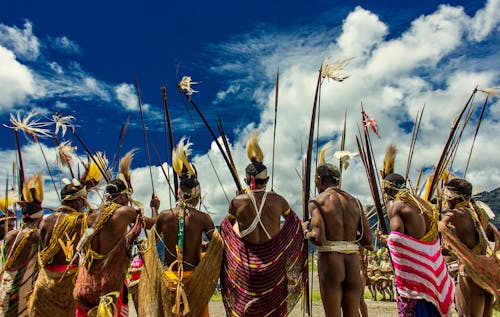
(421, 271)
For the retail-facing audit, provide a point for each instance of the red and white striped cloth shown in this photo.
(421, 271)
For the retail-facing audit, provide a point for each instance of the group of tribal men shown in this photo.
(80, 261)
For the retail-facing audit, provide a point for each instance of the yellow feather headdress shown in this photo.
(124, 168)
(254, 152)
(180, 157)
(390, 157)
(7, 201)
(34, 182)
(93, 175)
(65, 153)
(327, 147)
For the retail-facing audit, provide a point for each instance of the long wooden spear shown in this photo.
(306, 186)
(21, 164)
(342, 147)
(226, 145)
(119, 144)
(214, 137)
(274, 129)
(169, 135)
(475, 135)
(443, 158)
(145, 133)
(415, 131)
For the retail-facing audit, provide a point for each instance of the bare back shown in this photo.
(196, 223)
(341, 215)
(407, 219)
(113, 230)
(245, 212)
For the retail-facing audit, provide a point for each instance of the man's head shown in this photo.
(457, 190)
(256, 175)
(189, 188)
(327, 175)
(117, 192)
(74, 196)
(393, 183)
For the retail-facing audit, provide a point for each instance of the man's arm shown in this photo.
(155, 206)
(317, 234)
(396, 223)
(209, 227)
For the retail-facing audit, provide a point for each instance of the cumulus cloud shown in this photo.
(392, 78)
(22, 42)
(29, 75)
(16, 80)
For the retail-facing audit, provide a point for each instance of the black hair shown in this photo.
(396, 179)
(187, 183)
(328, 173)
(460, 186)
(254, 168)
(116, 186)
(70, 189)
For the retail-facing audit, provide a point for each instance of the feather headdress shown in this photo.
(254, 152)
(180, 159)
(322, 154)
(34, 182)
(124, 168)
(390, 157)
(7, 201)
(65, 153)
(93, 175)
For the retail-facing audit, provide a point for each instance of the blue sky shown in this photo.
(82, 59)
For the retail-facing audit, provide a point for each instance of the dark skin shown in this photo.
(471, 300)
(10, 226)
(242, 209)
(196, 224)
(14, 237)
(48, 224)
(404, 218)
(338, 219)
(117, 226)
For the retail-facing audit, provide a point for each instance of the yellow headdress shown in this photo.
(93, 175)
(180, 161)
(7, 201)
(254, 152)
(34, 182)
(390, 157)
(328, 146)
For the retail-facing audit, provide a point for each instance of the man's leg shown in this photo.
(469, 297)
(352, 286)
(331, 275)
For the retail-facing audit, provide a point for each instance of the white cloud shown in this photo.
(393, 78)
(125, 93)
(64, 44)
(16, 80)
(22, 42)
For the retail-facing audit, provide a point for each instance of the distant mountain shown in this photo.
(492, 199)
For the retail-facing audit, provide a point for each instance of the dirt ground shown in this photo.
(216, 309)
